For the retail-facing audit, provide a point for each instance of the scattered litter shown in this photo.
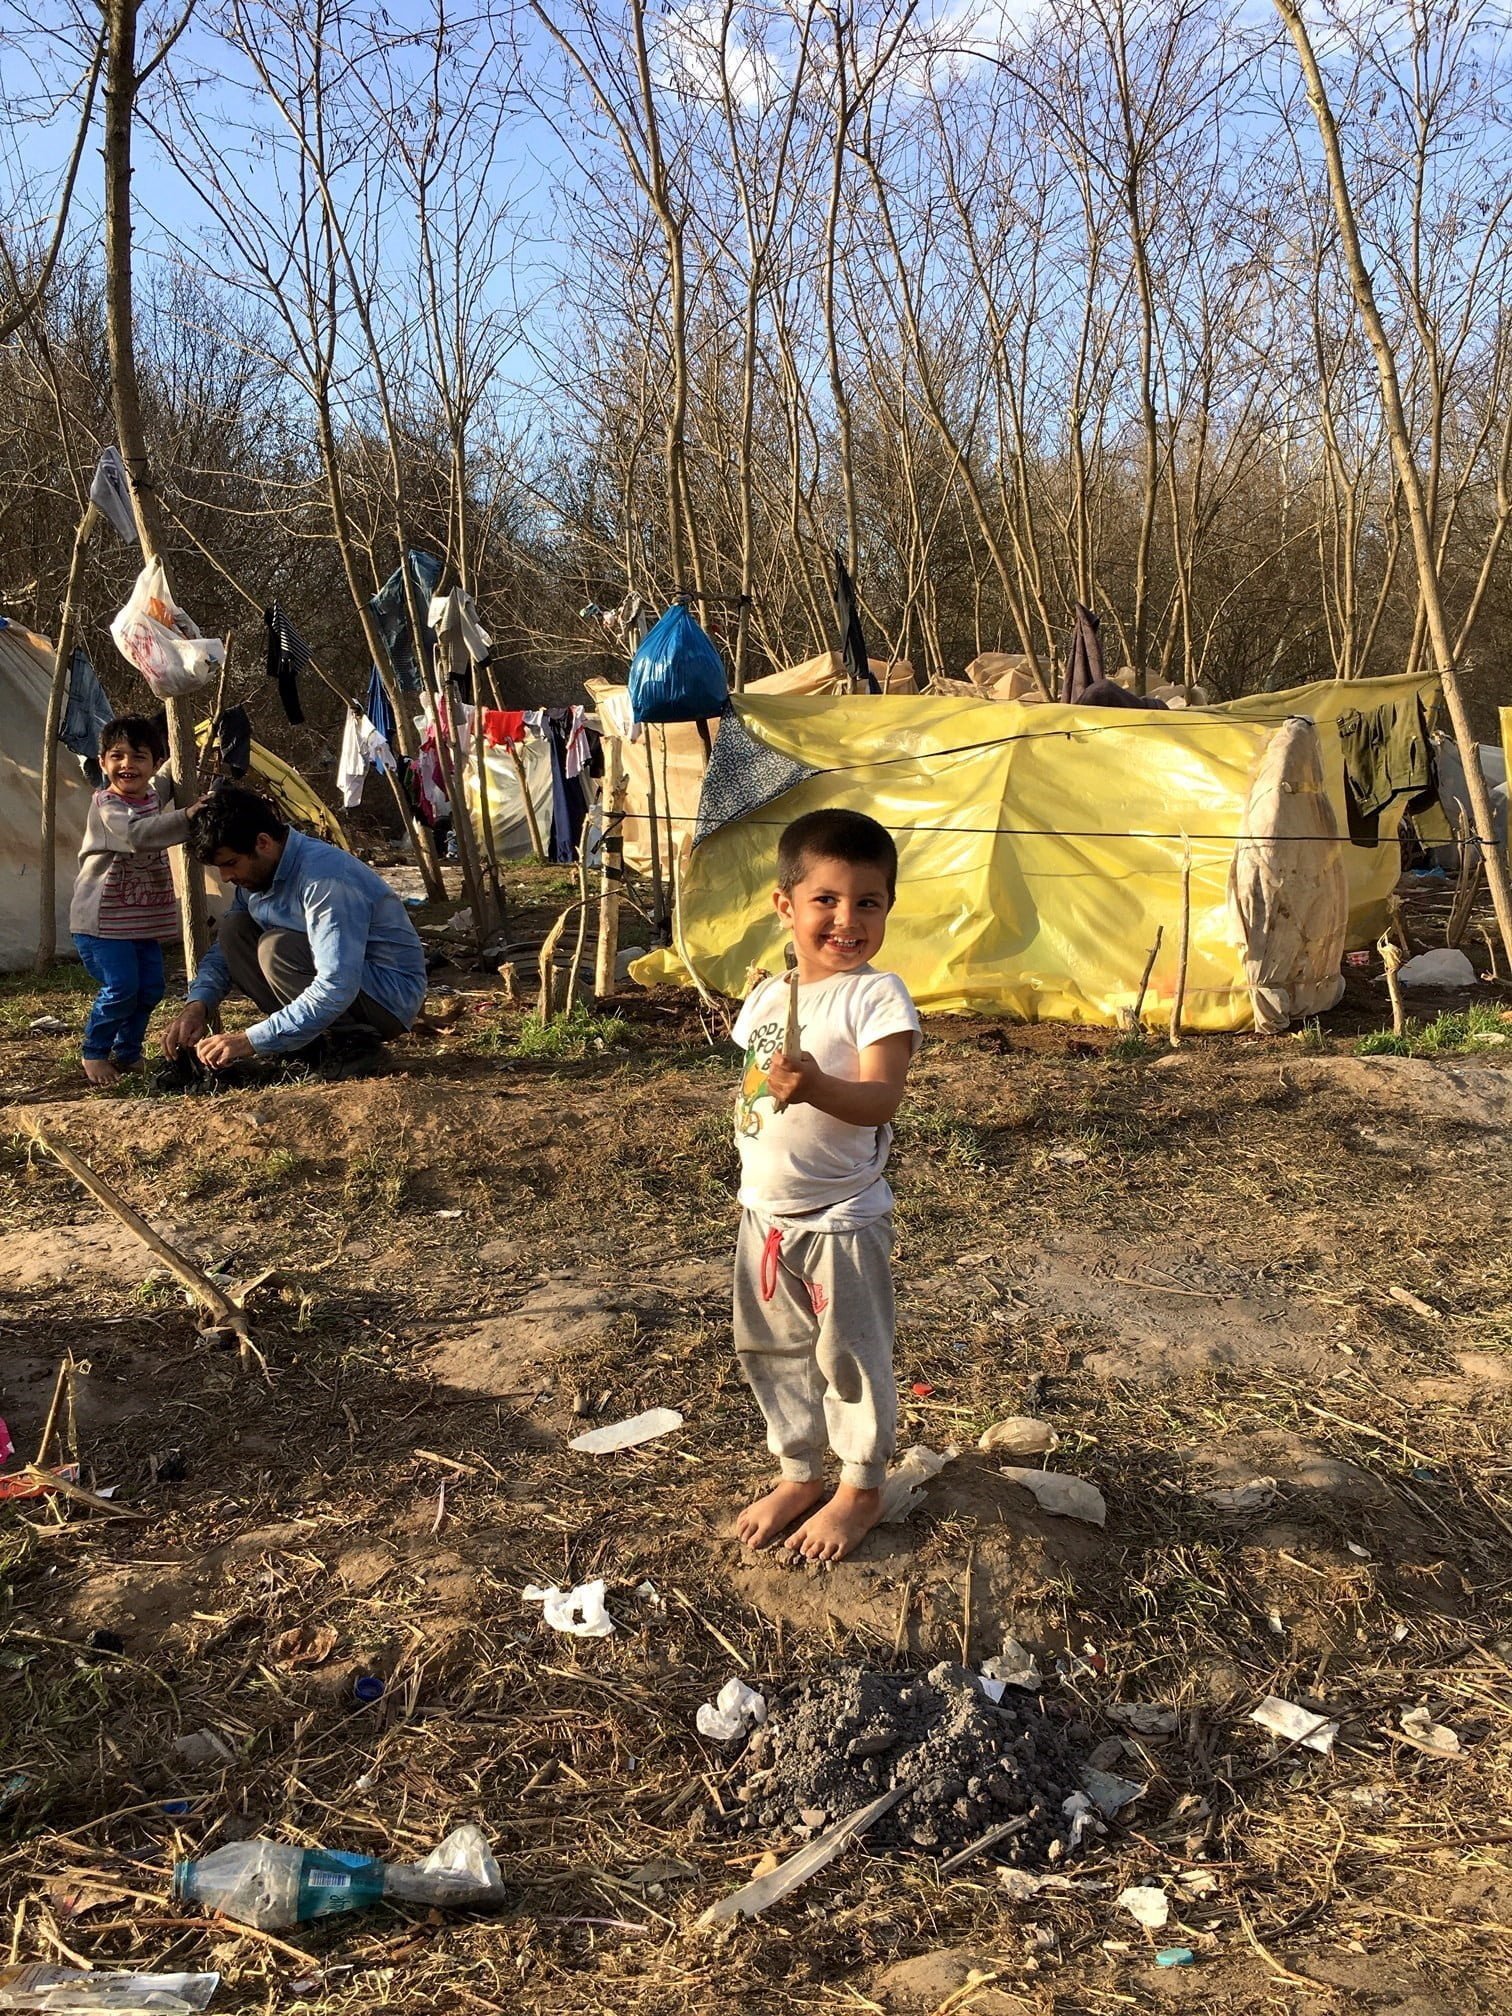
(921, 1389)
(1175, 1956)
(627, 1434)
(579, 1612)
(48, 1025)
(734, 1711)
(903, 1487)
(17, 1783)
(204, 1746)
(1146, 1903)
(1081, 1812)
(1070, 1158)
(1014, 1666)
(1250, 1497)
(7, 1447)
(269, 1884)
(1420, 1728)
(1198, 1882)
(1110, 1792)
(1063, 1496)
(786, 1877)
(39, 1987)
(649, 1593)
(448, 1214)
(304, 1645)
(1145, 1719)
(1360, 1553)
(1445, 967)
(368, 1687)
(1019, 1435)
(1416, 1304)
(964, 1764)
(1022, 1886)
(1398, 1633)
(20, 1484)
(1273, 1619)
(1296, 1725)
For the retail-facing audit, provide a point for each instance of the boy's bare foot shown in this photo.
(101, 1073)
(759, 1524)
(839, 1526)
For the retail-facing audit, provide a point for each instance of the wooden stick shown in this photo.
(211, 740)
(65, 1370)
(987, 1840)
(547, 1002)
(226, 1314)
(582, 930)
(1144, 978)
(47, 932)
(611, 867)
(68, 1489)
(1391, 959)
(1183, 946)
(532, 824)
(966, 1606)
(658, 905)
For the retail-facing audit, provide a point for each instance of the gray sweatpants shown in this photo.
(272, 968)
(814, 1335)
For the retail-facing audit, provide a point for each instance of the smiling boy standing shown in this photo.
(813, 1273)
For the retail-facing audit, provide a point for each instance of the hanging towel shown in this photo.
(288, 655)
(110, 494)
(503, 727)
(378, 710)
(576, 753)
(362, 747)
(388, 605)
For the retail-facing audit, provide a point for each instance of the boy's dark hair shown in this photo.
(835, 835)
(137, 732)
(232, 819)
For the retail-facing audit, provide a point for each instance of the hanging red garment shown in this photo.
(503, 726)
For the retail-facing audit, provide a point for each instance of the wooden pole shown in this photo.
(1391, 958)
(47, 922)
(225, 1314)
(1183, 943)
(575, 969)
(120, 109)
(1403, 455)
(658, 906)
(611, 867)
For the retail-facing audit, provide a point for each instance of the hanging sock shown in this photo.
(233, 737)
(288, 655)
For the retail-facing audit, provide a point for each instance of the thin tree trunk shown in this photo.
(120, 104)
(1407, 470)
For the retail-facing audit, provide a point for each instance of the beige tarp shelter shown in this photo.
(1041, 848)
(677, 751)
(25, 675)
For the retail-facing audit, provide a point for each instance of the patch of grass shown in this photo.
(1478, 1027)
(1310, 1036)
(569, 1038)
(1131, 1047)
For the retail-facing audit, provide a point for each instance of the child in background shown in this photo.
(813, 1274)
(124, 904)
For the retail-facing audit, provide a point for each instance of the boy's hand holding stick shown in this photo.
(792, 1042)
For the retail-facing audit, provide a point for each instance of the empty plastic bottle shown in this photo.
(267, 1883)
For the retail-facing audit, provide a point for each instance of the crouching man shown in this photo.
(314, 937)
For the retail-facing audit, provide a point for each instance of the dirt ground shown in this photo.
(1245, 1259)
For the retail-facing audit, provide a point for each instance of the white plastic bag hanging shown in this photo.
(164, 644)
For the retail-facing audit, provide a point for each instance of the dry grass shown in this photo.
(322, 1497)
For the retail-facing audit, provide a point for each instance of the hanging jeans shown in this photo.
(130, 976)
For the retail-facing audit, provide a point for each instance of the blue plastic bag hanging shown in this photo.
(677, 675)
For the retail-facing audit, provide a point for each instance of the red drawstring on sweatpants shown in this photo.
(771, 1256)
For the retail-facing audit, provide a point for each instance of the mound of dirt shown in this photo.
(969, 1764)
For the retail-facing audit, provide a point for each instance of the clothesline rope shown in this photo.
(1059, 833)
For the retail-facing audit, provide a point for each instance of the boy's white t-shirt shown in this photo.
(801, 1163)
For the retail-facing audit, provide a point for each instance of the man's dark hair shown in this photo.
(232, 819)
(137, 732)
(835, 835)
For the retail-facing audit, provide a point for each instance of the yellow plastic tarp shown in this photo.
(1039, 848)
(296, 802)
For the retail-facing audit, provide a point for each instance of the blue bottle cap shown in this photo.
(368, 1687)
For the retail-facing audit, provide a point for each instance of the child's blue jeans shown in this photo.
(130, 973)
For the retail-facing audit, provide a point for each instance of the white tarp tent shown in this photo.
(506, 804)
(25, 674)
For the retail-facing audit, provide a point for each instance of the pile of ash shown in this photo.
(969, 1764)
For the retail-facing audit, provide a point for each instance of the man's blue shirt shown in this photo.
(360, 937)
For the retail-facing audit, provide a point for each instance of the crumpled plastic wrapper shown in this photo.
(579, 1612)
